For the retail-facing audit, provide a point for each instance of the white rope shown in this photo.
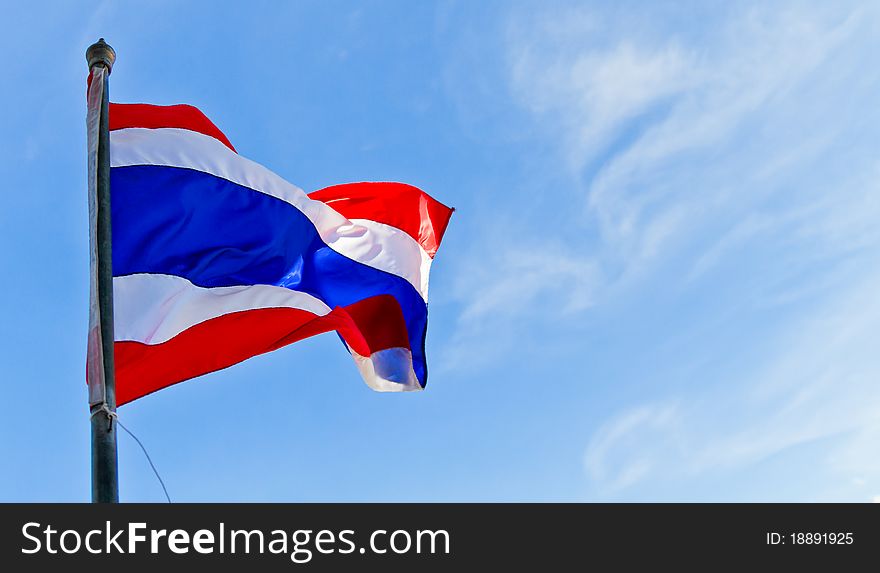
(114, 416)
(110, 414)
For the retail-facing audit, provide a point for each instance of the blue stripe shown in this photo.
(213, 232)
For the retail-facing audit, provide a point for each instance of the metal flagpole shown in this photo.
(105, 475)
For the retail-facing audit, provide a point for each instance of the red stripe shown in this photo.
(182, 116)
(368, 326)
(378, 322)
(396, 204)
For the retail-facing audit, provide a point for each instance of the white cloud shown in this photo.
(683, 146)
(667, 134)
(627, 432)
(821, 384)
(741, 159)
(503, 289)
(527, 280)
(597, 92)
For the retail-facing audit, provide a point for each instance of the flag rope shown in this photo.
(115, 416)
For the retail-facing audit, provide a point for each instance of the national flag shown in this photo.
(217, 259)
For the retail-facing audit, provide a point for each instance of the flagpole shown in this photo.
(105, 474)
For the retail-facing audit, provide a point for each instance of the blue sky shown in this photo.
(660, 283)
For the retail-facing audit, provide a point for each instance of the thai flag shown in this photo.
(217, 259)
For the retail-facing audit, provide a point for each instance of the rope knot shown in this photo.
(111, 415)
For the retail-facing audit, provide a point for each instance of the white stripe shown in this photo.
(153, 309)
(369, 242)
(388, 370)
(396, 257)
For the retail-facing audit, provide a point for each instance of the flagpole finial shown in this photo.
(100, 53)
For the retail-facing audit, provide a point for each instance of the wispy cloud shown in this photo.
(535, 279)
(663, 132)
(676, 148)
(519, 284)
(597, 92)
(821, 383)
(626, 433)
(736, 165)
